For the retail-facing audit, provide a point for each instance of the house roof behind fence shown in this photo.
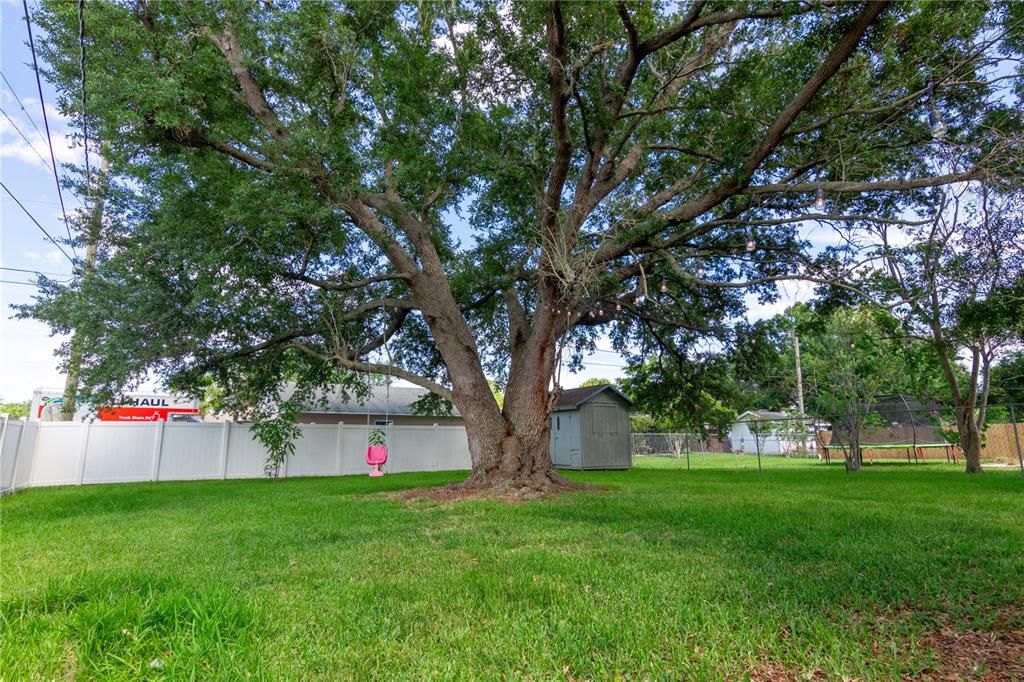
(762, 414)
(398, 401)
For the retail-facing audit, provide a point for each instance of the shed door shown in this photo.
(565, 434)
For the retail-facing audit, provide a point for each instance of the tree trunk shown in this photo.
(853, 459)
(509, 446)
(511, 451)
(970, 439)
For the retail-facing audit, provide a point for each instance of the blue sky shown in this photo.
(27, 358)
(26, 347)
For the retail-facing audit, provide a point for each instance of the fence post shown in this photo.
(3, 439)
(687, 437)
(224, 438)
(85, 452)
(35, 453)
(337, 447)
(1016, 439)
(158, 446)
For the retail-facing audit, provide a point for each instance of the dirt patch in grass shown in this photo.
(964, 653)
(456, 492)
(776, 672)
(993, 656)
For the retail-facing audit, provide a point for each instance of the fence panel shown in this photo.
(58, 449)
(191, 452)
(246, 456)
(316, 453)
(25, 455)
(118, 453)
(427, 448)
(353, 450)
(10, 441)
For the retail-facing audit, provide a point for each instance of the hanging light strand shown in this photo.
(935, 121)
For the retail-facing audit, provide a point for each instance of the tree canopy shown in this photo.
(451, 191)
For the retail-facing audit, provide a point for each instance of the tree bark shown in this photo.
(970, 439)
(509, 446)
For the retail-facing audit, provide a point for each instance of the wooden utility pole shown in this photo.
(67, 408)
(800, 393)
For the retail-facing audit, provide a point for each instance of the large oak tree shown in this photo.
(483, 187)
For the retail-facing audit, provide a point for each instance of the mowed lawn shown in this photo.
(718, 572)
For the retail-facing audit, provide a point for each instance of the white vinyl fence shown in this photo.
(35, 454)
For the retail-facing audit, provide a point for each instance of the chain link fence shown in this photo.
(886, 434)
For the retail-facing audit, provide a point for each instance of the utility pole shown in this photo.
(67, 408)
(800, 394)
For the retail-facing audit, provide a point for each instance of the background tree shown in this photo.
(16, 410)
(847, 368)
(1007, 382)
(958, 281)
(287, 181)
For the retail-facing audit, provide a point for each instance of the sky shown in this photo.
(26, 346)
(27, 349)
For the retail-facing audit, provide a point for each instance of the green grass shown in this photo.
(671, 574)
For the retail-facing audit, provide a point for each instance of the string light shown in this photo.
(700, 271)
(640, 299)
(751, 242)
(618, 306)
(664, 287)
(819, 198)
(938, 126)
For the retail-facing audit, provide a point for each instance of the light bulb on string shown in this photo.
(938, 126)
(618, 306)
(935, 122)
(819, 198)
(664, 287)
(700, 271)
(751, 242)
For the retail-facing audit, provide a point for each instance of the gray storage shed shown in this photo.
(590, 429)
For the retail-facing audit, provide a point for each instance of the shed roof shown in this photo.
(572, 398)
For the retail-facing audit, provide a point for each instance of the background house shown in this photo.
(590, 429)
(779, 433)
(397, 403)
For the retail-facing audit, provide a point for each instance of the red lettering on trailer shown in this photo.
(141, 414)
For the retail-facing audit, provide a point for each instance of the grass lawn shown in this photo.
(673, 574)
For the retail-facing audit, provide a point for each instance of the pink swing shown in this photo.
(377, 454)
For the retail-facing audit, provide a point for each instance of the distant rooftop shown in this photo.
(397, 401)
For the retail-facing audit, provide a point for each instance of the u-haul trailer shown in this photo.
(139, 407)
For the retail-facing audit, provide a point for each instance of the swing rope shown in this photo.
(387, 398)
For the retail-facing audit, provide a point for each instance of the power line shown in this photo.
(27, 141)
(46, 125)
(81, 69)
(35, 272)
(33, 219)
(13, 281)
(23, 109)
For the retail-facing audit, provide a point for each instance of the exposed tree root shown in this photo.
(518, 489)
